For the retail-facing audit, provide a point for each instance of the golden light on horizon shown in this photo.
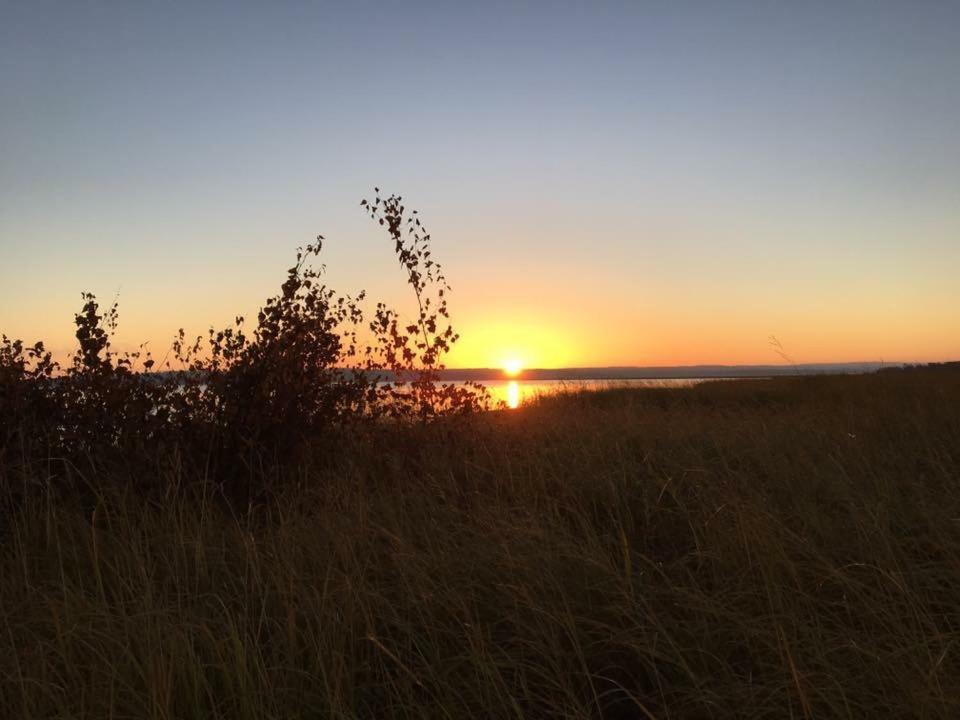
(512, 366)
(518, 338)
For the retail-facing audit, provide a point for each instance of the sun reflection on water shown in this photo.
(513, 394)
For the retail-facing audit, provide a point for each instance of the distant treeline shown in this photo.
(951, 365)
(667, 372)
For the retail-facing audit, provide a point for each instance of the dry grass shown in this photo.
(785, 548)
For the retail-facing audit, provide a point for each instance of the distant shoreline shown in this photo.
(681, 372)
(666, 372)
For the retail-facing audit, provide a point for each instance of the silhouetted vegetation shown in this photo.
(314, 366)
(262, 530)
(778, 548)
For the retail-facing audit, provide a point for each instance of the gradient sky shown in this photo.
(607, 184)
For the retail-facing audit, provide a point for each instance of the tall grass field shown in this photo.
(783, 548)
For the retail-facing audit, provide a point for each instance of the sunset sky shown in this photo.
(637, 183)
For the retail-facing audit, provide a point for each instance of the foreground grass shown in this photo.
(785, 548)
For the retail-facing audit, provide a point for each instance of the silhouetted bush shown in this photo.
(314, 364)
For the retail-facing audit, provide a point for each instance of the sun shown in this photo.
(512, 366)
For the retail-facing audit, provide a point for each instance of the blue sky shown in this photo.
(622, 183)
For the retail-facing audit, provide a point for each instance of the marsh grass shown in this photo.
(782, 548)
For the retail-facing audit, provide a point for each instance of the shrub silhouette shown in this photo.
(315, 362)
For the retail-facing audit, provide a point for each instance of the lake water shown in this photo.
(516, 392)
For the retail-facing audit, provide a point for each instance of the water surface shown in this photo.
(516, 392)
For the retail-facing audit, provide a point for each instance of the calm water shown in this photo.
(516, 392)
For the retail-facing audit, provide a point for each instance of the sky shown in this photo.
(637, 183)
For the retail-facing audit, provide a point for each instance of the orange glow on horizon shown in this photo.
(499, 335)
(513, 341)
